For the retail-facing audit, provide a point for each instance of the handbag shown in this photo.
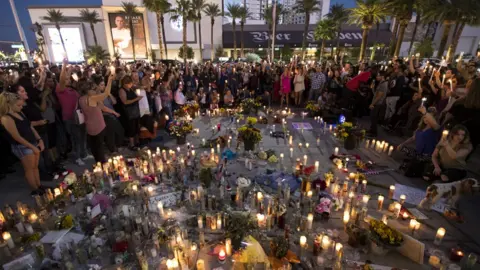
(79, 117)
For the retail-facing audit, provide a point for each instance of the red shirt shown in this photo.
(68, 99)
(354, 83)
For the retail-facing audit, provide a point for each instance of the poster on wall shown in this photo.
(73, 44)
(121, 37)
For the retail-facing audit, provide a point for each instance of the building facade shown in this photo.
(113, 33)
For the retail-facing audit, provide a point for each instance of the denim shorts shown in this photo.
(20, 150)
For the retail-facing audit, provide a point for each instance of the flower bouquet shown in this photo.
(192, 108)
(313, 108)
(249, 104)
(180, 129)
(349, 134)
(383, 237)
(248, 134)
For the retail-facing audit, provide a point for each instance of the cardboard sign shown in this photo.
(168, 199)
(143, 103)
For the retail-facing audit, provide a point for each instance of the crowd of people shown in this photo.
(50, 114)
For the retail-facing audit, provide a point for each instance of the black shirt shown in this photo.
(32, 111)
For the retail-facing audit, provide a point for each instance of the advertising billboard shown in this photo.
(121, 35)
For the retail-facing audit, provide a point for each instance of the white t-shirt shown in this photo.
(179, 97)
(123, 35)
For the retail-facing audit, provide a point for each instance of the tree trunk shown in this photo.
(130, 24)
(364, 43)
(428, 29)
(391, 46)
(163, 34)
(417, 22)
(242, 45)
(453, 46)
(184, 25)
(61, 39)
(338, 41)
(94, 34)
(200, 37)
(212, 49)
(159, 33)
(372, 56)
(305, 32)
(234, 40)
(401, 33)
(444, 40)
(321, 49)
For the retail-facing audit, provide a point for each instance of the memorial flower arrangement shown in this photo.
(313, 108)
(192, 108)
(384, 235)
(249, 134)
(180, 128)
(249, 104)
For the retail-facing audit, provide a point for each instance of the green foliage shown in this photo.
(253, 58)
(238, 225)
(424, 48)
(54, 16)
(88, 16)
(157, 6)
(268, 14)
(206, 177)
(286, 52)
(212, 10)
(95, 54)
(153, 55)
(325, 30)
(369, 12)
(280, 246)
(307, 6)
(190, 53)
(220, 52)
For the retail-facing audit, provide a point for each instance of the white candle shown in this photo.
(260, 218)
(309, 221)
(228, 246)
(200, 264)
(380, 202)
(336, 151)
(439, 236)
(444, 134)
(281, 157)
(56, 192)
(373, 143)
(338, 248)
(390, 150)
(291, 152)
(303, 241)
(385, 147)
(365, 199)
(318, 141)
(397, 208)
(290, 140)
(8, 238)
(200, 222)
(218, 148)
(219, 223)
(391, 191)
(326, 242)
(317, 164)
(160, 208)
(346, 217)
(403, 197)
(307, 145)
(28, 228)
(305, 158)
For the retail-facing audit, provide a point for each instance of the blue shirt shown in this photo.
(426, 141)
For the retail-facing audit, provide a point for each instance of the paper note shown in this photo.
(96, 211)
(412, 249)
(52, 237)
(143, 103)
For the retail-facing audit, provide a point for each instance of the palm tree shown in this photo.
(198, 6)
(95, 54)
(160, 7)
(130, 10)
(447, 13)
(184, 12)
(367, 14)
(325, 30)
(375, 47)
(308, 7)
(268, 17)
(468, 10)
(339, 14)
(403, 9)
(393, 38)
(244, 15)
(92, 18)
(56, 17)
(234, 12)
(212, 10)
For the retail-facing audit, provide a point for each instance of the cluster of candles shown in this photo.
(322, 243)
(380, 147)
(213, 222)
(24, 220)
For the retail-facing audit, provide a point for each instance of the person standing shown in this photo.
(285, 86)
(26, 143)
(132, 112)
(378, 102)
(318, 80)
(299, 85)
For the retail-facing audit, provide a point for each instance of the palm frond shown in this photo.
(90, 16)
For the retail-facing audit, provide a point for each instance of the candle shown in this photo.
(431, 76)
(309, 221)
(28, 228)
(291, 152)
(336, 150)
(300, 145)
(317, 164)
(203, 141)
(33, 218)
(385, 147)
(56, 192)
(318, 141)
(135, 188)
(404, 215)
(338, 249)
(260, 218)
(346, 217)
(364, 186)
(380, 202)
(443, 80)
(367, 144)
(439, 236)
(385, 219)
(434, 261)
(290, 140)
(396, 209)
(326, 242)
(228, 246)
(456, 255)
(331, 127)
(451, 85)
(219, 223)
(391, 191)
(193, 153)
(402, 198)
(150, 190)
(303, 241)
(365, 199)
(390, 150)
(160, 208)
(305, 158)
(8, 238)
(412, 225)
(444, 134)
(307, 145)
(281, 157)
(218, 148)
(200, 222)
(200, 264)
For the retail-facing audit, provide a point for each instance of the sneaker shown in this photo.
(88, 157)
(80, 162)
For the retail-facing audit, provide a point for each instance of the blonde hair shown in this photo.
(6, 100)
